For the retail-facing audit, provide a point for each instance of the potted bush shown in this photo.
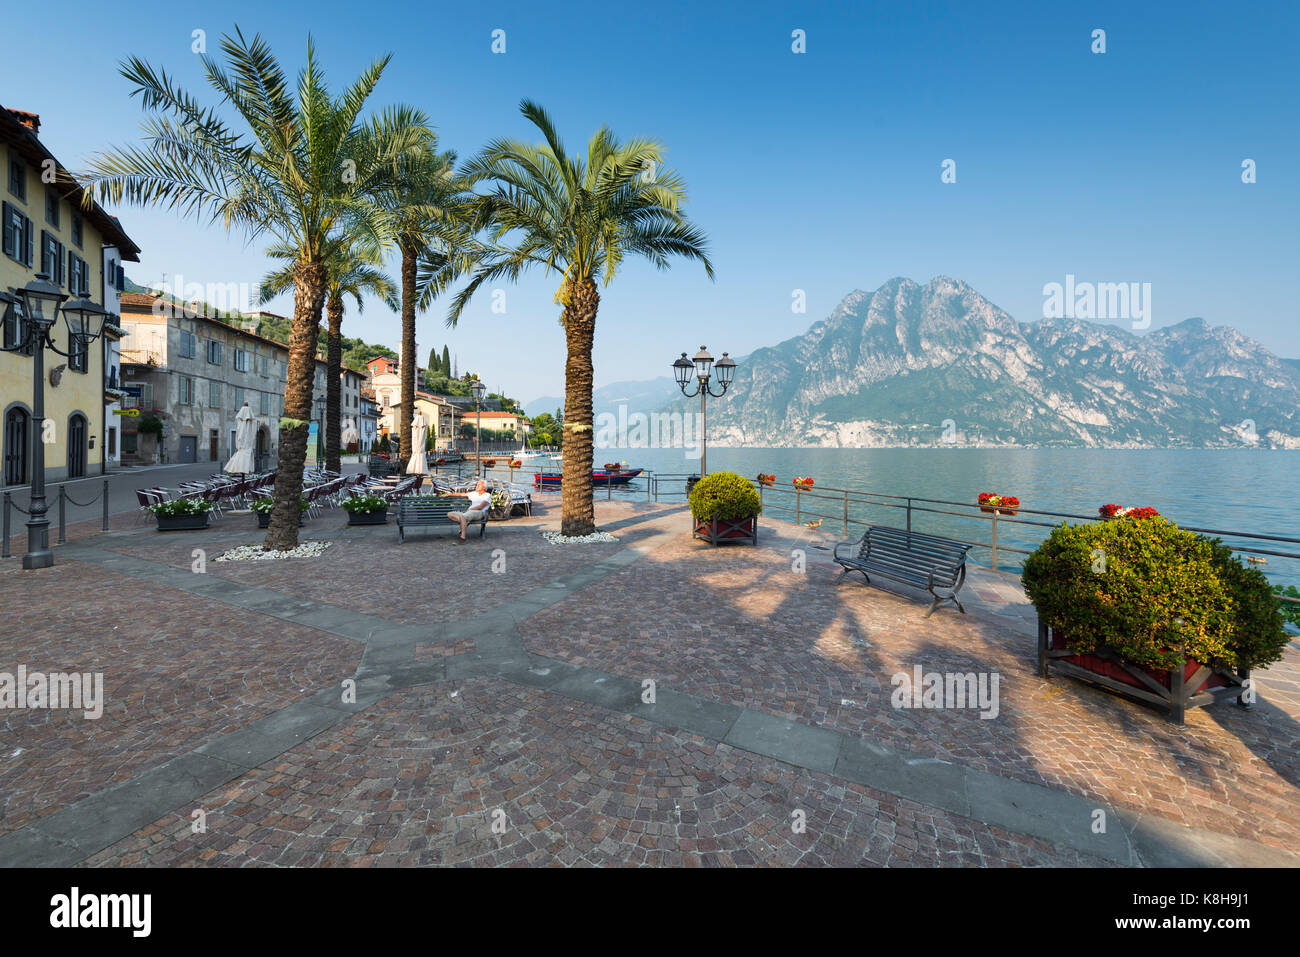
(1159, 614)
(366, 509)
(262, 509)
(500, 507)
(182, 513)
(725, 509)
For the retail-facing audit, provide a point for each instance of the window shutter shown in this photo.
(121, 278)
(10, 241)
(29, 233)
(73, 273)
(45, 254)
(63, 276)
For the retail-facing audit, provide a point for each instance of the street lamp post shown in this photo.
(703, 366)
(41, 301)
(478, 388)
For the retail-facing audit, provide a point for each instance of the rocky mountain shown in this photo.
(643, 396)
(935, 364)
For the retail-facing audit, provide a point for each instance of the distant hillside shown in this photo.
(637, 396)
(908, 363)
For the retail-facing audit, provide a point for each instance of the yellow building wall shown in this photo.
(76, 392)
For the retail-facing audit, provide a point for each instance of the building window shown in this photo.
(189, 345)
(15, 328)
(265, 404)
(18, 235)
(76, 229)
(78, 275)
(18, 178)
(112, 442)
(78, 356)
(214, 352)
(214, 394)
(187, 391)
(52, 207)
(263, 365)
(239, 397)
(241, 360)
(52, 258)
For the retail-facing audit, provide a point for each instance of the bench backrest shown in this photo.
(419, 508)
(906, 548)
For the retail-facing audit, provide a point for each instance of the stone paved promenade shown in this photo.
(498, 716)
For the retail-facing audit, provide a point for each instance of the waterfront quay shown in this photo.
(647, 701)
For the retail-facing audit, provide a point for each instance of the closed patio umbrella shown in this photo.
(241, 463)
(417, 465)
(350, 434)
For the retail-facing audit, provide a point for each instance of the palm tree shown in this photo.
(428, 207)
(580, 218)
(354, 269)
(303, 172)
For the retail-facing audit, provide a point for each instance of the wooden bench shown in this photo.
(926, 561)
(416, 510)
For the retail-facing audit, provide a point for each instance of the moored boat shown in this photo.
(619, 476)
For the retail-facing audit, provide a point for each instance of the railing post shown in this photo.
(846, 513)
(649, 480)
(909, 514)
(105, 504)
(63, 524)
(798, 494)
(995, 540)
(4, 552)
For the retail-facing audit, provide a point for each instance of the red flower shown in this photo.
(1012, 501)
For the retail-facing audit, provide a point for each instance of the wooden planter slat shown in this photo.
(727, 531)
(1182, 693)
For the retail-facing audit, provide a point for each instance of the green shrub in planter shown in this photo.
(724, 496)
(364, 504)
(181, 506)
(263, 506)
(1155, 594)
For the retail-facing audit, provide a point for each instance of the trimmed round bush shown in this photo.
(1154, 593)
(724, 496)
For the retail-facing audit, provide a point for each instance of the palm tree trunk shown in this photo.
(333, 366)
(577, 510)
(308, 298)
(408, 361)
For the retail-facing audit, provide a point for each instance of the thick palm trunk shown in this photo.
(333, 366)
(577, 510)
(408, 361)
(308, 298)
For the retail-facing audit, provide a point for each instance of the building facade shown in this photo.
(49, 230)
(192, 374)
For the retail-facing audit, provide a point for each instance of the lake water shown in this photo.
(1248, 490)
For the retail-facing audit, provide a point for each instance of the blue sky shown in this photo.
(817, 171)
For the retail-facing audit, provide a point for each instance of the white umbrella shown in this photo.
(417, 465)
(241, 463)
(350, 434)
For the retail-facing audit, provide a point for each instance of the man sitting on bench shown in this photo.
(479, 502)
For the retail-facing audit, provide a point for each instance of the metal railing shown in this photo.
(63, 499)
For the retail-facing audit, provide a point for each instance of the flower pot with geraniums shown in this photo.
(724, 509)
(182, 514)
(1004, 504)
(801, 481)
(366, 509)
(1118, 511)
(766, 480)
(262, 509)
(1152, 611)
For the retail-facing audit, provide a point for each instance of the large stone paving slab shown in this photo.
(178, 670)
(740, 625)
(420, 778)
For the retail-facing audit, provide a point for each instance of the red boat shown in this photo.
(598, 477)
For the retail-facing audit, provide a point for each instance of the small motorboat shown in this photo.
(619, 476)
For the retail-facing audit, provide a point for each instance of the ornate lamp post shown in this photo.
(703, 366)
(478, 388)
(41, 301)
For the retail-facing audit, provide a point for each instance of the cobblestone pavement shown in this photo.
(496, 676)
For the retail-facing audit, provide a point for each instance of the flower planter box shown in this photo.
(723, 531)
(377, 517)
(1172, 690)
(264, 519)
(178, 523)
